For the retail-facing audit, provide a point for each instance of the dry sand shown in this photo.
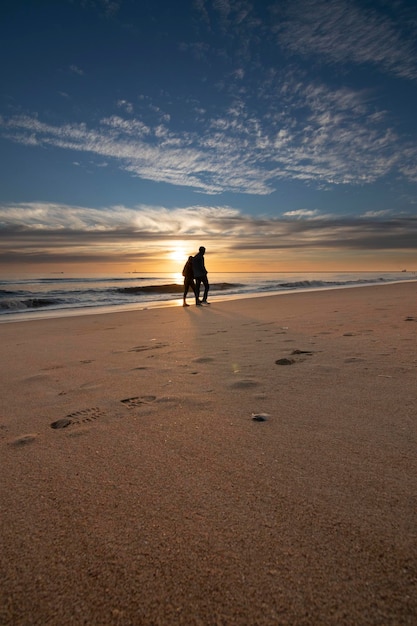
(163, 502)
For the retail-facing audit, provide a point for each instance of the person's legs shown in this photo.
(193, 287)
(187, 283)
(206, 288)
(197, 288)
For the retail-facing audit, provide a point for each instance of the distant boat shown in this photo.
(404, 270)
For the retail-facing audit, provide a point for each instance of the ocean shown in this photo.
(58, 295)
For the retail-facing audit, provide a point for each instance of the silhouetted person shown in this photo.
(200, 274)
(187, 272)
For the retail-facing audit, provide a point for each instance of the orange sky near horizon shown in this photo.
(218, 262)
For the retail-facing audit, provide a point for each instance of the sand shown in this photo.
(158, 499)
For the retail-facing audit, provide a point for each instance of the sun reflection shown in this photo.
(177, 278)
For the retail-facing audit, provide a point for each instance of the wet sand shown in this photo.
(251, 462)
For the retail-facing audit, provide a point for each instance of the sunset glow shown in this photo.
(281, 136)
(178, 255)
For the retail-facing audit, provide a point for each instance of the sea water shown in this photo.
(34, 297)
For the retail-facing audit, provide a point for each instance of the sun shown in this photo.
(178, 254)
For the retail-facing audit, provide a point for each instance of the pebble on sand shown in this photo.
(260, 417)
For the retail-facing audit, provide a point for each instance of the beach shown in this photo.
(252, 462)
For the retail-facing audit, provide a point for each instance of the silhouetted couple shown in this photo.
(195, 270)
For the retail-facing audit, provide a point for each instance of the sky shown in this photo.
(279, 134)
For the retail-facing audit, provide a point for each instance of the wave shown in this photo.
(172, 288)
(5, 292)
(23, 296)
(17, 304)
(71, 280)
(320, 284)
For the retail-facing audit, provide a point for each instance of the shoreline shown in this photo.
(252, 462)
(175, 302)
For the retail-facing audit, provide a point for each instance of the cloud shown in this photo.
(120, 233)
(342, 31)
(301, 213)
(155, 153)
(125, 105)
(307, 132)
(110, 6)
(333, 32)
(273, 124)
(74, 69)
(269, 124)
(382, 213)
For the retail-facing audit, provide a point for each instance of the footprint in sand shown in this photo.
(287, 361)
(78, 417)
(244, 384)
(23, 440)
(62, 423)
(136, 401)
(37, 378)
(156, 346)
(302, 352)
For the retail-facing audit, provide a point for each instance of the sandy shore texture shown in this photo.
(137, 489)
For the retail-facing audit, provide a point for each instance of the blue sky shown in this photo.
(280, 134)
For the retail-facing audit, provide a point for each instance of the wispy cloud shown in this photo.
(301, 213)
(125, 106)
(334, 32)
(342, 31)
(269, 124)
(123, 233)
(382, 213)
(338, 140)
(74, 69)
